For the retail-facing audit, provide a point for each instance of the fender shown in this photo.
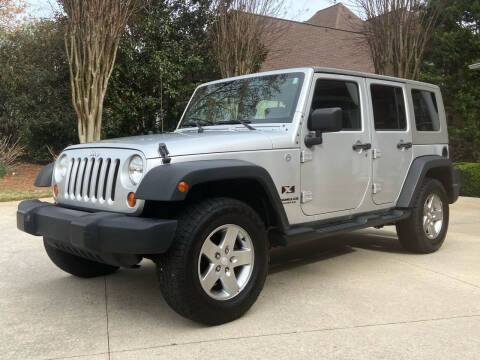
(44, 177)
(160, 183)
(417, 173)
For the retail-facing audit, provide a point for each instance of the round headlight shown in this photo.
(135, 169)
(61, 167)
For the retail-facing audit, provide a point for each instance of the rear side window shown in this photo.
(426, 110)
(342, 94)
(388, 107)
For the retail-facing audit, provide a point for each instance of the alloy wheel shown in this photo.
(226, 262)
(432, 216)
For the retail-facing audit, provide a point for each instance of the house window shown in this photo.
(426, 110)
(341, 94)
(388, 107)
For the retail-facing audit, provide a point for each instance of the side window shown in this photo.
(426, 110)
(342, 94)
(388, 107)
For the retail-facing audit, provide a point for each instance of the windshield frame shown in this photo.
(296, 107)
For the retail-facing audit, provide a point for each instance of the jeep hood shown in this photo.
(189, 142)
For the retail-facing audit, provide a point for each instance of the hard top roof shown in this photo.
(327, 70)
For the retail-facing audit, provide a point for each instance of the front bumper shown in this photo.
(112, 238)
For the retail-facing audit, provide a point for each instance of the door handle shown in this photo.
(404, 145)
(359, 146)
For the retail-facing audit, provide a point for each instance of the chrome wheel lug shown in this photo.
(218, 268)
(217, 255)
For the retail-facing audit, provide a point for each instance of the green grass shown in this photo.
(11, 195)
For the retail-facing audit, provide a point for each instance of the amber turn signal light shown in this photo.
(131, 199)
(182, 186)
(55, 190)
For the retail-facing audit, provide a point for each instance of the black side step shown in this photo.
(319, 230)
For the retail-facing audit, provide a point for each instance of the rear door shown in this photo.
(391, 141)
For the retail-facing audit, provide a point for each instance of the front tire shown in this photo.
(425, 230)
(218, 262)
(76, 265)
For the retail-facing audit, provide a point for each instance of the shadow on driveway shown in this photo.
(293, 255)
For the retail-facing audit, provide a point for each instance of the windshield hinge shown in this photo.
(163, 151)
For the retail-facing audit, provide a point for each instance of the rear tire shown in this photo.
(76, 265)
(218, 261)
(425, 230)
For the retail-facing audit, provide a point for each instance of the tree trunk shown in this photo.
(94, 29)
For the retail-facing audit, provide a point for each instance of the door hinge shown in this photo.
(306, 196)
(305, 156)
(376, 188)
(376, 153)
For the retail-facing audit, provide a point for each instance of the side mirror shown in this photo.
(323, 120)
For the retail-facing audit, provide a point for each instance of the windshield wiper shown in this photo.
(238, 121)
(197, 123)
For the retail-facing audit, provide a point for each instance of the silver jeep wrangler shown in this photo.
(256, 161)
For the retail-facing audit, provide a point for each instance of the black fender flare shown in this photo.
(417, 173)
(44, 177)
(160, 183)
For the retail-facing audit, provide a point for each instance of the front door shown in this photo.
(335, 175)
(391, 140)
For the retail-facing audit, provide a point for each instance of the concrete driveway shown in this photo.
(355, 296)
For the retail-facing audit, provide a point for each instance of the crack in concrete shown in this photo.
(106, 314)
(437, 272)
(74, 356)
(300, 332)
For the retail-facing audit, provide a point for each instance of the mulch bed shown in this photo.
(21, 177)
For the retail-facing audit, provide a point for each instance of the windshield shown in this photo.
(265, 99)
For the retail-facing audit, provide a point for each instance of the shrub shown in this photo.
(470, 181)
(35, 95)
(3, 169)
(10, 151)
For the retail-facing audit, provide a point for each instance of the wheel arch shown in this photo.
(430, 166)
(44, 177)
(238, 179)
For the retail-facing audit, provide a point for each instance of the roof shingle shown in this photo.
(331, 38)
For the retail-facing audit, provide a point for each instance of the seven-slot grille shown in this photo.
(92, 179)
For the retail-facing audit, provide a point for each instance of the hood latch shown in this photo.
(163, 151)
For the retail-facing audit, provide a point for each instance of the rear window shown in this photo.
(426, 110)
(388, 107)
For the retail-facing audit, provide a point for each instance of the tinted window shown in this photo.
(426, 111)
(388, 107)
(342, 94)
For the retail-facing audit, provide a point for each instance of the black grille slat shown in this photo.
(100, 162)
(90, 177)
(76, 177)
(114, 182)
(85, 161)
(105, 179)
(70, 175)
